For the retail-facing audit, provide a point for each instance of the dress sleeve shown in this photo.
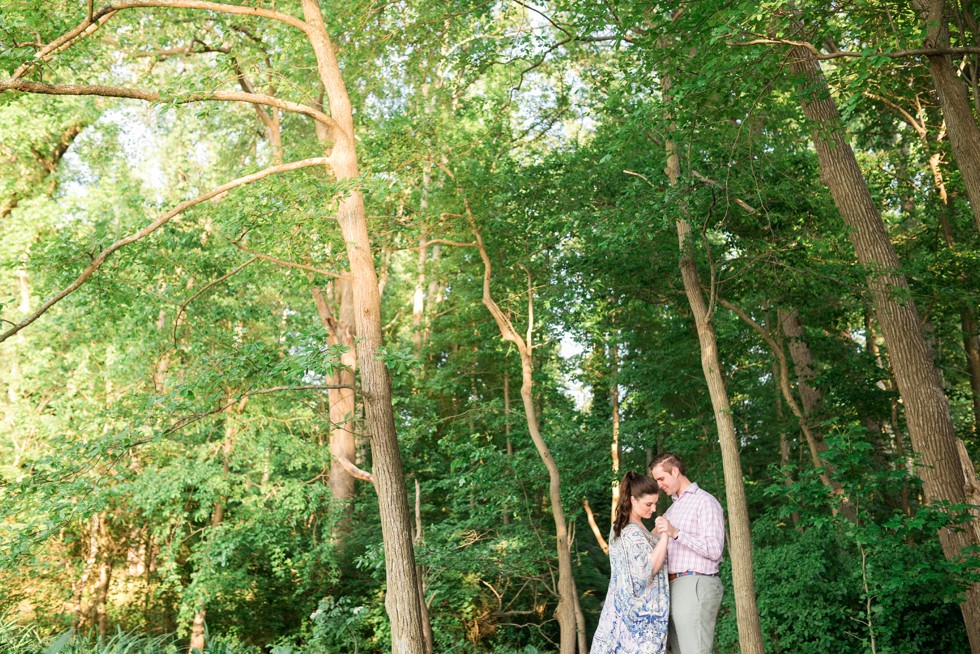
(646, 596)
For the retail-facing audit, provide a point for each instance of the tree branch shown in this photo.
(285, 264)
(101, 257)
(506, 327)
(183, 306)
(595, 528)
(710, 182)
(96, 19)
(111, 91)
(353, 470)
(840, 54)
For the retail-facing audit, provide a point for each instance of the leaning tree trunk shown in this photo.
(402, 600)
(964, 135)
(926, 407)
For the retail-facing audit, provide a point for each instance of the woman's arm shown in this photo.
(659, 554)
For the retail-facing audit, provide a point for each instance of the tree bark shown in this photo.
(964, 135)
(971, 347)
(340, 331)
(402, 600)
(927, 410)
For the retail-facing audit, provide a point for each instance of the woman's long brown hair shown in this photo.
(632, 485)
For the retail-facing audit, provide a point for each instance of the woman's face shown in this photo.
(645, 505)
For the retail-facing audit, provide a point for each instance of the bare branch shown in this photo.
(595, 528)
(353, 470)
(101, 257)
(442, 241)
(644, 178)
(507, 331)
(183, 306)
(906, 116)
(710, 182)
(182, 422)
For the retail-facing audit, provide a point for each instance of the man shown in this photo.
(695, 525)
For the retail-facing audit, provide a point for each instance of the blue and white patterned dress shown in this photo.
(637, 608)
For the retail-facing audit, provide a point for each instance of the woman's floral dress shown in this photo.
(634, 617)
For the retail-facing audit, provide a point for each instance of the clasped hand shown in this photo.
(662, 526)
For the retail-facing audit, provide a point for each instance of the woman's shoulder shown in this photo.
(636, 533)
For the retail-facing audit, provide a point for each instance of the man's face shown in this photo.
(667, 480)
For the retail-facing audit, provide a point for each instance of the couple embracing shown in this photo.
(664, 582)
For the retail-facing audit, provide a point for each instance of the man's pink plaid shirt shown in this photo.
(698, 516)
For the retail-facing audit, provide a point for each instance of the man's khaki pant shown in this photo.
(694, 604)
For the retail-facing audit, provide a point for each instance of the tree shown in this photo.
(403, 600)
(926, 406)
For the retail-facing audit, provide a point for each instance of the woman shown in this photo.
(634, 617)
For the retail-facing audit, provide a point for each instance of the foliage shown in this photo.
(162, 448)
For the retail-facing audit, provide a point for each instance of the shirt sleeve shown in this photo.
(710, 537)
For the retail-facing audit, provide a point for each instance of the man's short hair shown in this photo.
(668, 461)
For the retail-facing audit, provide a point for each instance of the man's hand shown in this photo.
(663, 527)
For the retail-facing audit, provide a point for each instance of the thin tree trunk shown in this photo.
(614, 448)
(197, 641)
(340, 331)
(740, 539)
(197, 631)
(508, 444)
(79, 614)
(565, 612)
(927, 410)
(784, 458)
(402, 600)
(964, 135)
(740, 543)
(417, 541)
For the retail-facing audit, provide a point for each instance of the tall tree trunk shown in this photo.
(340, 331)
(565, 612)
(740, 536)
(926, 407)
(614, 449)
(971, 347)
(964, 135)
(811, 397)
(402, 600)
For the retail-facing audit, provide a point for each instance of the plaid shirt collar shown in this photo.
(693, 488)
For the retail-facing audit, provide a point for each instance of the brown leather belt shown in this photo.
(674, 575)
